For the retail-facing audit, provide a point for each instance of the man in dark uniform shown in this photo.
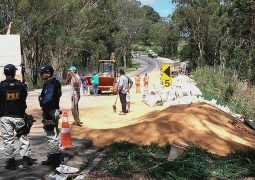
(49, 102)
(13, 94)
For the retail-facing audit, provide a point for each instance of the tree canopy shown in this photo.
(62, 32)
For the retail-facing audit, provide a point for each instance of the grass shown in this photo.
(134, 66)
(126, 160)
(226, 90)
(142, 52)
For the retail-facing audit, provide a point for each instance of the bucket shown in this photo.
(178, 150)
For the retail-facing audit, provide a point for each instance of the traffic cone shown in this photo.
(65, 132)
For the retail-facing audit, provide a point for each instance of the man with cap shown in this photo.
(13, 94)
(49, 102)
(75, 81)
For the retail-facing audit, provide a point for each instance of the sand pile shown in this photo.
(200, 124)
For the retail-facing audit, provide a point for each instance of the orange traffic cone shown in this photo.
(65, 132)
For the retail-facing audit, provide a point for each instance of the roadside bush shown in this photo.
(139, 47)
(226, 90)
(243, 101)
(158, 50)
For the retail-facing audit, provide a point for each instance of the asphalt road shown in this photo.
(150, 64)
(38, 140)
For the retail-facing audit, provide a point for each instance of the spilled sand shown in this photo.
(198, 124)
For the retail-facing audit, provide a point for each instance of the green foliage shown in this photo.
(133, 66)
(126, 160)
(151, 14)
(226, 90)
(213, 81)
(165, 35)
(218, 33)
(63, 32)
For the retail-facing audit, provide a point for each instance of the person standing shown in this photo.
(75, 81)
(85, 86)
(183, 67)
(49, 102)
(95, 82)
(128, 98)
(137, 83)
(123, 89)
(13, 95)
(146, 81)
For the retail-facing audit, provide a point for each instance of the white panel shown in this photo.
(10, 53)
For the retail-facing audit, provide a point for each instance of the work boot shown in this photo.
(10, 164)
(26, 162)
(53, 160)
(49, 160)
(56, 160)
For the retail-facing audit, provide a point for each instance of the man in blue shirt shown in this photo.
(95, 83)
(49, 102)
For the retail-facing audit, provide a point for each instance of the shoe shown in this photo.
(48, 161)
(76, 124)
(53, 160)
(26, 162)
(10, 164)
(122, 113)
(56, 160)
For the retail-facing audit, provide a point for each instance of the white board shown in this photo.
(10, 53)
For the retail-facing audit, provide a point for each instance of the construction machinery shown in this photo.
(107, 72)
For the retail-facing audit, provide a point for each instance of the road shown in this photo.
(87, 104)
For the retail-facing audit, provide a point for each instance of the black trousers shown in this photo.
(123, 102)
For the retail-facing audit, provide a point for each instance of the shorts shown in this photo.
(128, 97)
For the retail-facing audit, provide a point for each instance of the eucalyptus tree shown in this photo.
(130, 18)
(165, 35)
(193, 17)
(50, 30)
(150, 18)
(242, 21)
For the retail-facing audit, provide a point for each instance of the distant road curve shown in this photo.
(149, 64)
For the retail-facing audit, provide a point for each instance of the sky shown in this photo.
(163, 7)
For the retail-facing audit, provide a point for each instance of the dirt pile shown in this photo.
(199, 124)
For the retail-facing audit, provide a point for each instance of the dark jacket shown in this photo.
(13, 95)
(50, 95)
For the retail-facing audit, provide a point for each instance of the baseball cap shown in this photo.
(9, 68)
(47, 69)
(72, 68)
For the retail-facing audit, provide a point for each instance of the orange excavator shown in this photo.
(108, 73)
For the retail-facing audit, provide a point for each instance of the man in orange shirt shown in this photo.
(137, 83)
(146, 81)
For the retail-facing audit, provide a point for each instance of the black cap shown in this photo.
(47, 69)
(9, 69)
(122, 71)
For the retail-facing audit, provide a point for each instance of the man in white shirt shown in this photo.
(123, 89)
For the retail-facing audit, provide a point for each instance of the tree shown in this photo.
(166, 36)
(193, 18)
(129, 19)
(151, 14)
(242, 19)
